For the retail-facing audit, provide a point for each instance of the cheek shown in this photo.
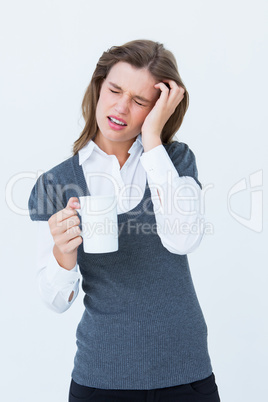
(102, 99)
(99, 113)
(97, 110)
(101, 103)
(105, 103)
(142, 116)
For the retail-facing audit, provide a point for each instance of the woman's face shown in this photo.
(126, 97)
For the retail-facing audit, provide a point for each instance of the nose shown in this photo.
(122, 105)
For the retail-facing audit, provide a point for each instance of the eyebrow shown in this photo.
(135, 96)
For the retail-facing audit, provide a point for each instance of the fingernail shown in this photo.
(76, 204)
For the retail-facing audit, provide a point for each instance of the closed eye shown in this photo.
(114, 92)
(140, 104)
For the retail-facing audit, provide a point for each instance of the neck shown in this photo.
(118, 148)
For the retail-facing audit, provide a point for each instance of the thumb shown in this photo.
(73, 203)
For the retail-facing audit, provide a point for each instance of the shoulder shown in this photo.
(180, 152)
(183, 159)
(176, 148)
(49, 193)
(60, 171)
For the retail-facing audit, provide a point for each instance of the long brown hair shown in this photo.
(140, 54)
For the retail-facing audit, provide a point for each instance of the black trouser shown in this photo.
(198, 391)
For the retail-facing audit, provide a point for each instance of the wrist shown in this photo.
(150, 143)
(66, 261)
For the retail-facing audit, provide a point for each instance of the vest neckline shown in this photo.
(144, 205)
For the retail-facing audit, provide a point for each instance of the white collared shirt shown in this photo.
(104, 176)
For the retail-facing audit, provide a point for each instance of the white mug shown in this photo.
(99, 223)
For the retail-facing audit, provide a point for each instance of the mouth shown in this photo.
(117, 121)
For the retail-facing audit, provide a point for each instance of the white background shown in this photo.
(49, 50)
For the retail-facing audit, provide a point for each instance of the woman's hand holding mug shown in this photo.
(64, 228)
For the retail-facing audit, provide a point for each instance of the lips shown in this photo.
(116, 120)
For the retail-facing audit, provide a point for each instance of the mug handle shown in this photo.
(77, 210)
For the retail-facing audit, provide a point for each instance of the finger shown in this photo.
(74, 243)
(66, 230)
(174, 87)
(176, 93)
(73, 203)
(59, 222)
(72, 221)
(66, 212)
(71, 233)
(70, 209)
(70, 245)
(64, 225)
(59, 229)
(164, 90)
(162, 86)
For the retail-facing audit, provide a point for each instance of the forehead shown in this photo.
(138, 81)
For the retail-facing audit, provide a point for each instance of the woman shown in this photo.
(142, 335)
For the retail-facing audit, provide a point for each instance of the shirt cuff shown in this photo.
(60, 276)
(158, 173)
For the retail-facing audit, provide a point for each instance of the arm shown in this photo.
(58, 287)
(175, 216)
(176, 200)
(58, 240)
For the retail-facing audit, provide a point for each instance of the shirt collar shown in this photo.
(87, 150)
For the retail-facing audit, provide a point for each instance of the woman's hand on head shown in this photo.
(170, 97)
